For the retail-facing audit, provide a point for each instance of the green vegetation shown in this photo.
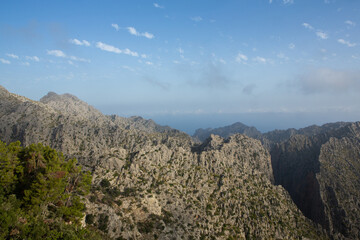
(41, 194)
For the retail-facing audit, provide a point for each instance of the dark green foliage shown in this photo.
(89, 219)
(41, 194)
(105, 183)
(103, 222)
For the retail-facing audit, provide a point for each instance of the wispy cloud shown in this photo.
(291, 46)
(80, 43)
(133, 31)
(196, 19)
(128, 68)
(322, 35)
(241, 58)
(158, 6)
(282, 56)
(350, 23)
(327, 80)
(288, 1)
(33, 58)
(79, 59)
(319, 33)
(157, 83)
(114, 25)
(308, 26)
(129, 52)
(12, 55)
(59, 53)
(109, 48)
(56, 53)
(4, 61)
(347, 43)
(260, 59)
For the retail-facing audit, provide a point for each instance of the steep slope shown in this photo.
(153, 182)
(69, 125)
(321, 173)
(219, 190)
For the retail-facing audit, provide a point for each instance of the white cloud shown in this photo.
(260, 59)
(291, 46)
(4, 61)
(131, 53)
(322, 35)
(349, 44)
(56, 53)
(70, 62)
(25, 63)
(308, 26)
(288, 1)
(12, 55)
(351, 23)
(79, 59)
(114, 25)
(181, 51)
(158, 6)
(80, 43)
(109, 48)
(241, 58)
(270, 1)
(144, 56)
(319, 33)
(196, 19)
(133, 31)
(33, 58)
(149, 63)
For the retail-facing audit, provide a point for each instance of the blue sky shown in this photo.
(189, 64)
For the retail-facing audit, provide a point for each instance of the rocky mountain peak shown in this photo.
(68, 104)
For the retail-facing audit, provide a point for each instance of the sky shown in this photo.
(272, 64)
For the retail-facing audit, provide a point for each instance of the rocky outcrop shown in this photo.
(321, 173)
(153, 182)
(219, 190)
(69, 125)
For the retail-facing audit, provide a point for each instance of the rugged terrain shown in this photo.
(319, 166)
(154, 182)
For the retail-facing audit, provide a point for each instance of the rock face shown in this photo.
(78, 130)
(154, 182)
(218, 190)
(321, 173)
(319, 166)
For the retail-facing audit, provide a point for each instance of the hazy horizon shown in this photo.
(189, 64)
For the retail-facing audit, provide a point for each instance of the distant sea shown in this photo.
(264, 122)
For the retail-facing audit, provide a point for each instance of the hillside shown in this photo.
(153, 182)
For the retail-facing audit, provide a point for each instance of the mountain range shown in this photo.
(155, 182)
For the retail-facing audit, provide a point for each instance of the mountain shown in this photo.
(319, 166)
(78, 130)
(225, 132)
(321, 173)
(154, 182)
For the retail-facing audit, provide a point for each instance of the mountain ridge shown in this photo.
(151, 181)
